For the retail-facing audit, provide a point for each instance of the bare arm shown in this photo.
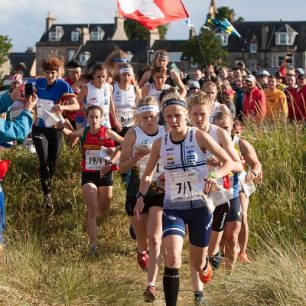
(227, 144)
(75, 133)
(82, 95)
(113, 135)
(145, 91)
(177, 80)
(251, 159)
(144, 79)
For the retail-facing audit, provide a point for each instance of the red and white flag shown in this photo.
(152, 13)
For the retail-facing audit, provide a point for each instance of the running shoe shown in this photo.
(94, 250)
(243, 257)
(149, 294)
(142, 260)
(48, 202)
(199, 299)
(215, 261)
(206, 275)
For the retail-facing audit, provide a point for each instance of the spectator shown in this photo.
(280, 81)
(238, 87)
(262, 78)
(228, 98)
(276, 101)
(291, 93)
(254, 101)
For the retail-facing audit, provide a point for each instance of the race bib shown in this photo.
(125, 116)
(248, 188)
(185, 186)
(95, 159)
(158, 171)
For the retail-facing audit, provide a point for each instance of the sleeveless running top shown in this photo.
(93, 149)
(101, 97)
(125, 104)
(184, 164)
(153, 92)
(133, 180)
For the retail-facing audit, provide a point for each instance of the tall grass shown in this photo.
(48, 262)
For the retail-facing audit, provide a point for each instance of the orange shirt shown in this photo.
(276, 104)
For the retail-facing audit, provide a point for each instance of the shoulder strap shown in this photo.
(84, 135)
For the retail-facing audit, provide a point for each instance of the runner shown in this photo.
(98, 92)
(251, 164)
(47, 133)
(173, 78)
(182, 150)
(134, 157)
(225, 121)
(200, 111)
(97, 187)
(125, 96)
(113, 62)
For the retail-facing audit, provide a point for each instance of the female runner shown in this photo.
(183, 152)
(134, 157)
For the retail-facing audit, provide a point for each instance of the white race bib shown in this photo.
(185, 186)
(158, 171)
(95, 159)
(248, 188)
(125, 116)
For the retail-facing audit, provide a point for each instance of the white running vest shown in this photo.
(183, 159)
(125, 104)
(153, 92)
(142, 139)
(100, 97)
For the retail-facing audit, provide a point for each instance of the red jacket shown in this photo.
(254, 103)
(296, 99)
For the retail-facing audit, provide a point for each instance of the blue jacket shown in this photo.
(17, 130)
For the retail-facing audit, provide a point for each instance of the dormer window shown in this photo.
(75, 35)
(253, 48)
(56, 34)
(97, 34)
(84, 57)
(223, 38)
(285, 36)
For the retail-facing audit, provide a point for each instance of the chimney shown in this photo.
(264, 37)
(85, 35)
(49, 21)
(153, 35)
(119, 33)
(29, 50)
(191, 33)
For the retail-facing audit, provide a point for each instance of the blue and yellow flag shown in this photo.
(224, 25)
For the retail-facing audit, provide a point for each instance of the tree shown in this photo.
(5, 46)
(225, 12)
(211, 46)
(136, 31)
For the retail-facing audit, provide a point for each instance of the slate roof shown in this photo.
(169, 45)
(248, 28)
(99, 50)
(27, 58)
(108, 28)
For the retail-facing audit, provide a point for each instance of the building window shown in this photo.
(285, 39)
(84, 57)
(97, 34)
(56, 34)
(75, 36)
(278, 59)
(71, 54)
(253, 48)
(223, 38)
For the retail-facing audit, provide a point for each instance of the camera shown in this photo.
(28, 90)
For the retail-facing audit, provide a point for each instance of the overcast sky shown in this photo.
(24, 20)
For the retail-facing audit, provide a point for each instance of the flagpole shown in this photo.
(199, 43)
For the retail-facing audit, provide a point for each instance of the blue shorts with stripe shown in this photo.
(199, 222)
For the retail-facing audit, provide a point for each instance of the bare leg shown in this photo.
(244, 233)
(105, 195)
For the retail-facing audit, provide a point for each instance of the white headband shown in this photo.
(147, 108)
(126, 70)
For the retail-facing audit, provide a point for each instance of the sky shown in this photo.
(24, 20)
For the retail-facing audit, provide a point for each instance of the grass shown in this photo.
(48, 263)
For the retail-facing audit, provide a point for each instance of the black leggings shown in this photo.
(48, 143)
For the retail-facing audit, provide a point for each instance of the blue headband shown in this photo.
(120, 60)
(175, 102)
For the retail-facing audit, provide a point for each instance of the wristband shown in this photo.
(213, 175)
(139, 194)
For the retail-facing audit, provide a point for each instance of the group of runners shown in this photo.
(185, 168)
